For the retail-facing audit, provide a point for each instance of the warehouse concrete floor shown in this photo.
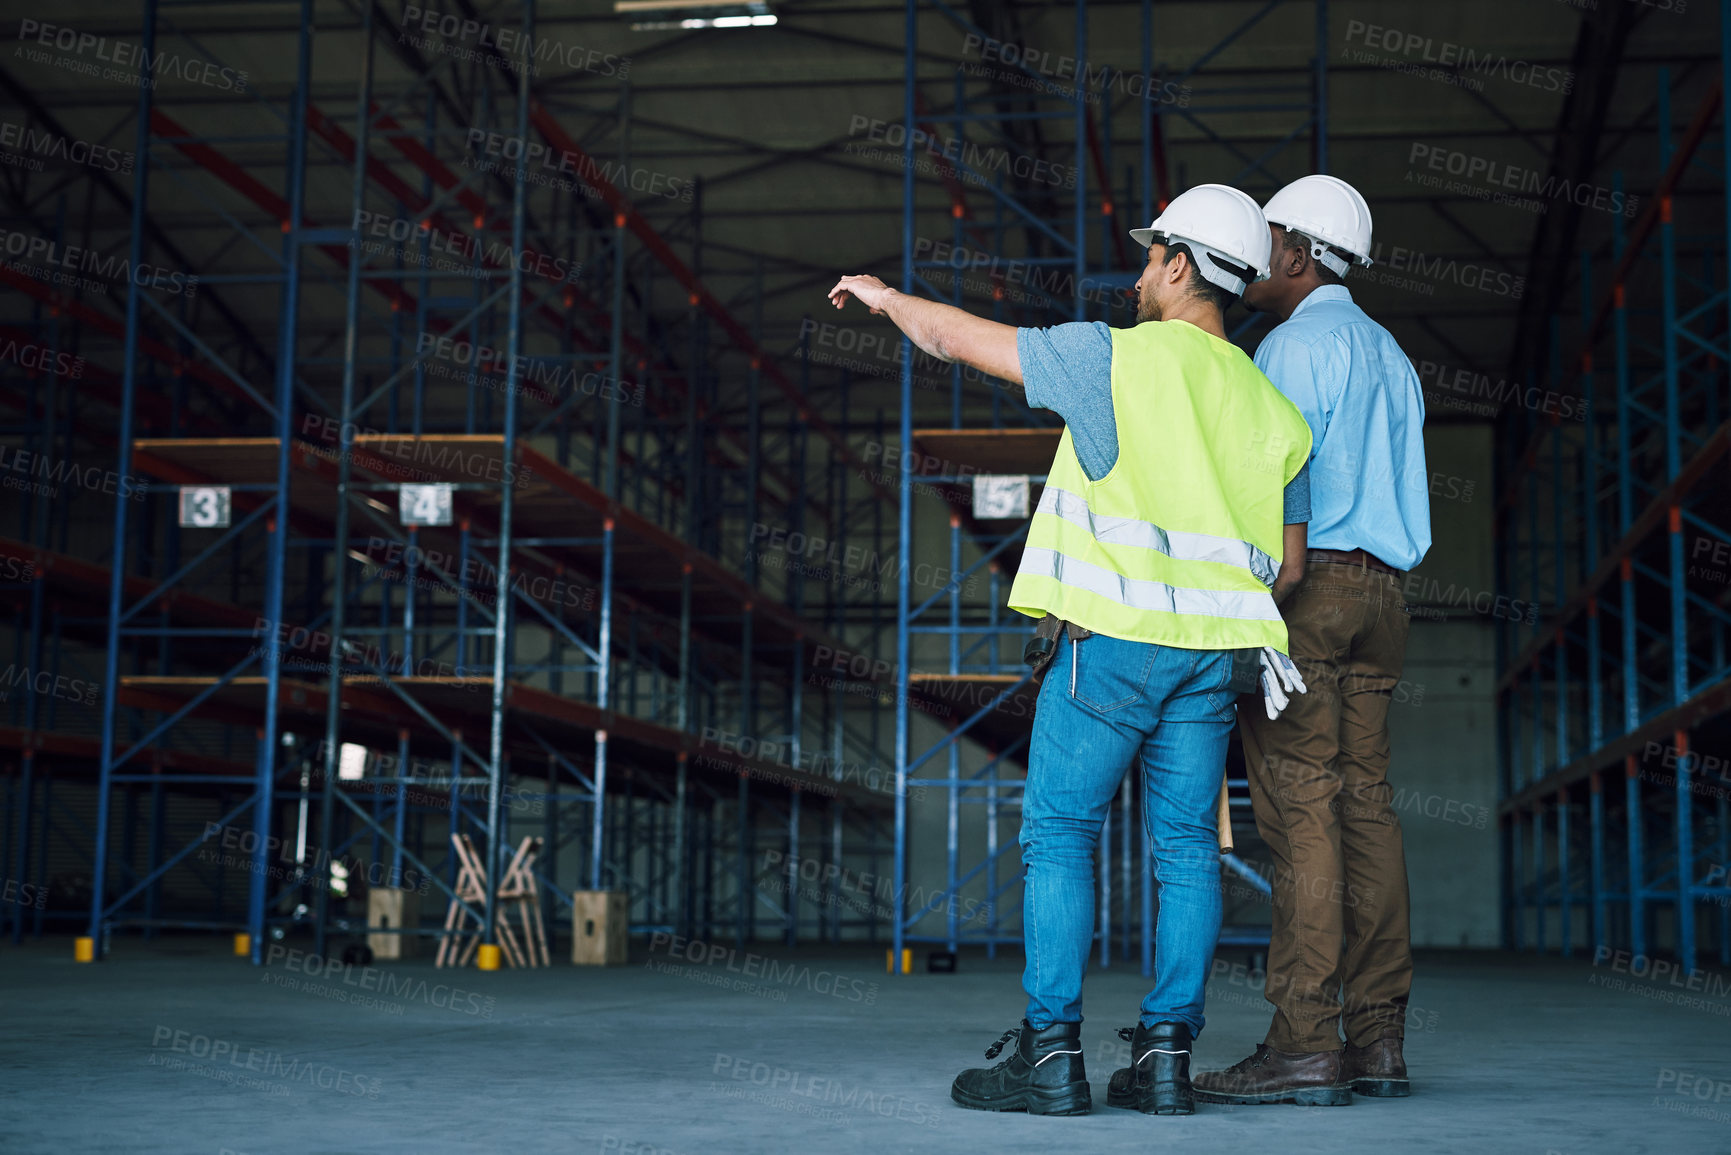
(173, 1047)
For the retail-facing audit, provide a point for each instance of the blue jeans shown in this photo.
(1103, 703)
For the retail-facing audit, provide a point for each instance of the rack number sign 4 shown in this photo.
(204, 506)
(425, 505)
(1000, 495)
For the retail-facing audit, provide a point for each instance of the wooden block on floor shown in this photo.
(598, 923)
(389, 907)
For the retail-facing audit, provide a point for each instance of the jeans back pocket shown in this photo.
(1107, 674)
(1241, 673)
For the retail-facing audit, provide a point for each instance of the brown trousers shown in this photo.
(1340, 951)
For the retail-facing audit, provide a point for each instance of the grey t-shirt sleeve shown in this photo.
(1297, 498)
(1068, 369)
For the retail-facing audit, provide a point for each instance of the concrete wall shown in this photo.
(1444, 731)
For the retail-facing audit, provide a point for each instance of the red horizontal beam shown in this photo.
(116, 328)
(105, 385)
(80, 582)
(36, 743)
(220, 166)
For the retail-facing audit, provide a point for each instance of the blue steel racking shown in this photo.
(1614, 791)
(706, 658)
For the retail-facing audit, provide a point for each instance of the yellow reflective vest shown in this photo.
(1179, 543)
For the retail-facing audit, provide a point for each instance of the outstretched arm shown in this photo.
(944, 331)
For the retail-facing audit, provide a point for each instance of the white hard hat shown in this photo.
(1225, 231)
(1328, 211)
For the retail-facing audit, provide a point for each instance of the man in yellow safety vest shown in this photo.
(1171, 516)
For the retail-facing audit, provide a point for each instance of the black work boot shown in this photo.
(1157, 1081)
(1377, 1069)
(1044, 1076)
(1309, 1079)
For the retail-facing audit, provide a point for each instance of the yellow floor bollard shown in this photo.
(907, 960)
(487, 958)
(83, 949)
(242, 945)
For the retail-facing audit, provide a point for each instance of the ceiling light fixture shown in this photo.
(681, 14)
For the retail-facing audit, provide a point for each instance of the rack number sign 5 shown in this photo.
(1000, 495)
(204, 506)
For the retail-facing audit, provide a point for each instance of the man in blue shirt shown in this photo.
(1339, 955)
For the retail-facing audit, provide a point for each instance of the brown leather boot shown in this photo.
(1271, 1076)
(1377, 1068)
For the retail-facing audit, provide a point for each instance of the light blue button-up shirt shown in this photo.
(1369, 488)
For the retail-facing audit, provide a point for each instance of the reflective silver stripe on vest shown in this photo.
(1146, 535)
(1248, 605)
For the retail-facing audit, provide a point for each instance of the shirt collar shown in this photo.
(1320, 294)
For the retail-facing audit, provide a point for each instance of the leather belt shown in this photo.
(1357, 557)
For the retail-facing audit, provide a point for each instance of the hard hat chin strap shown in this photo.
(1328, 259)
(1228, 275)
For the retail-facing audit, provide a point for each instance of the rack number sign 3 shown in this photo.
(1000, 495)
(425, 505)
(204, 506)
